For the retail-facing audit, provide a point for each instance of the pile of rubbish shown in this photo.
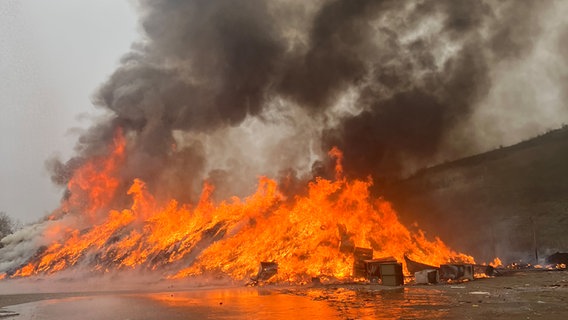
(388, 271)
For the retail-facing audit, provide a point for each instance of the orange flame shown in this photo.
(496, 263)
(313, 235)
(95, 183)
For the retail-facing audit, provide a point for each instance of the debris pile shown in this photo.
(388, 271)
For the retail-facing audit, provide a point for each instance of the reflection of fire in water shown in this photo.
(313, 235)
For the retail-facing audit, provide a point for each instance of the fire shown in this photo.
(311, 236)
(496, 263)
(95, 183)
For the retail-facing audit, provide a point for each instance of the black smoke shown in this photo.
(416, 70)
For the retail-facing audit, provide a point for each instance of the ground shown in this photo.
(523, 295)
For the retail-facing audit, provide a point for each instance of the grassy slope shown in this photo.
(484, 204)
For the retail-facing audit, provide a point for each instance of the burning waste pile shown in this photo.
(235, 136)
(310, 236)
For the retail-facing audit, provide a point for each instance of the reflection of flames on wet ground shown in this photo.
(312, 235)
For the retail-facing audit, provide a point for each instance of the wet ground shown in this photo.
(525, 295)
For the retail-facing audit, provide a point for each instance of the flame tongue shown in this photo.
(311, 236)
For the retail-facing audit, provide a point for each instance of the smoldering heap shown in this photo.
(225, 91)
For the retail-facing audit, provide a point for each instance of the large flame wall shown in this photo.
(311, 235)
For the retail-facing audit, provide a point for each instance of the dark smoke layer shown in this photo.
(229, 90)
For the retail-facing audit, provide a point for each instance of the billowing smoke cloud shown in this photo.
(229, 90)
(430, 67)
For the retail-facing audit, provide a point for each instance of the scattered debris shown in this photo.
(428, 276)
(519, 266)
(391, 274)
(266, 271)
(484, 269)
(373, 267)
(346, 244)
(359, 257)
(558, 258)
(456, 272)
(7, 313)
(373, 271)
(414, 266)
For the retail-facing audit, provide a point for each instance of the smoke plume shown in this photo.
(226, 91)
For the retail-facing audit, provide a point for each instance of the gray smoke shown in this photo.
(229, 90)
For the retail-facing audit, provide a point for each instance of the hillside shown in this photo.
(495, 203)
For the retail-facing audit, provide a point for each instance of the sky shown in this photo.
(53, 56)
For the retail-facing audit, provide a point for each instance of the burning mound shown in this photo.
(310, 235)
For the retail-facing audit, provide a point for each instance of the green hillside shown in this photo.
(495, 203)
